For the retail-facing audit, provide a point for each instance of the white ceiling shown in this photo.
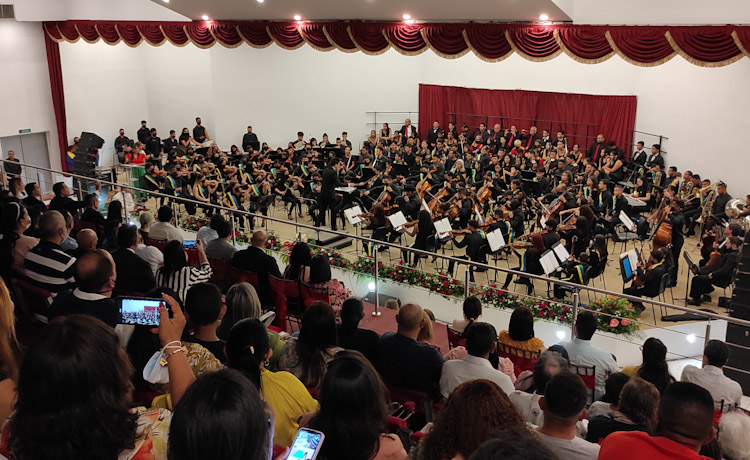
(376, 10)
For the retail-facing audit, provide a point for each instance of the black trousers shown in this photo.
(334, 204)
(701, 284)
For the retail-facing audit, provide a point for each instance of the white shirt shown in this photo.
(206, 234)
(582, 352)
(528, 405)
(570, 449)
(152, 255)
(456, 372)
(165, 231)
(720, 386)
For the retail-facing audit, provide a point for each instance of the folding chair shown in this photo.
(588, 375)
(220, 275)
(285, 292)
(523, 360)
(159, 244)
(454, 338)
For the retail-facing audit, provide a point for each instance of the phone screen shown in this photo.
(306, 445)
(190, 244)
(139, 311)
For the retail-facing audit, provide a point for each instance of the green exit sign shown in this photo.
(24, 131)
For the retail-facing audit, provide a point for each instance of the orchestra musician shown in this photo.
(574, 271)
(650, 277)
(327, 199)
(530, 263)
(476, 248)
(705, 277)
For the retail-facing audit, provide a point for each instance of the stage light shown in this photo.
(371, 286)
(410, 21)
(407, 16)
(690, 338)
(166, 1)
(204, 17)
(297, 17)
(560, 335)
(543, 17)
(260, 1)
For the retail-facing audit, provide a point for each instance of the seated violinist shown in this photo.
(550, 236)
(707, 276)
(648, 279)
(530, 263)
(574, 271)
(476, 247)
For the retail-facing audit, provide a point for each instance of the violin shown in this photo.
(464, 231)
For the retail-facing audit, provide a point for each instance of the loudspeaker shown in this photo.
(87, 154)
(89, 141)
(738, 337)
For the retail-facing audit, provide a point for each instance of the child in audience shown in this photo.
(204, 310)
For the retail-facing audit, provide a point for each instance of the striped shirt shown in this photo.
(49, 267)
(181, 280)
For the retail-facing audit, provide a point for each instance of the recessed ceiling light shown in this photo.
(204, 17)
(297, 17)
(166, 1)
(410, 21)
(407, 17)
(543, 17)
(260, 1)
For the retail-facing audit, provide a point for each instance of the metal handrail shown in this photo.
(576, 287)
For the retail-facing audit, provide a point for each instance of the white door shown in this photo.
(31, 149)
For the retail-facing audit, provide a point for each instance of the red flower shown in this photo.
(454, 282)
(446, 284)
(566, 308)
(541, 313)
(626, 322)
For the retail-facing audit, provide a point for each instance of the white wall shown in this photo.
(280, 92)
(103, 10)
(25, 96)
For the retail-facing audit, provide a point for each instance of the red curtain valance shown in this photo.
(708, 46)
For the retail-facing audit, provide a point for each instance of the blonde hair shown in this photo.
(426, 334)
(7, 333)
(733, 439)
(242, 302)
(391, 304)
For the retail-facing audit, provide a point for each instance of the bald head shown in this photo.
(95, 272)
(52, 227)
(409, 319)
(87, 239)
(260, 238)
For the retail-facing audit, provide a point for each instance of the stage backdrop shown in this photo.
(583, 116)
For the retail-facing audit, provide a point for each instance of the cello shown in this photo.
(663, 234)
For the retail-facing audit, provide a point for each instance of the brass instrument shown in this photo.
(733, 209)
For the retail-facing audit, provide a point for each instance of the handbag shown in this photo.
(156, 371)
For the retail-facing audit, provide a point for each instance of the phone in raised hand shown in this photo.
(306, 445)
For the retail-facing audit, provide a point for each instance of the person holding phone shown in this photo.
(176, 274)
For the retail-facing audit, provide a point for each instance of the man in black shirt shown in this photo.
(655, 157)
(327, 197)
(199, 132)
(705, 279)
(143, 132)
(92, 214)
(595, 150)
(33, 201)
(476, 248)
(13, 170)
(722, 198)
(122, 142)
(62, 201)
(170, 143)
(250, 139)
(650, 278)
(153, 145)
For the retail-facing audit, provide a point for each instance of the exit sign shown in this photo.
(24, 131)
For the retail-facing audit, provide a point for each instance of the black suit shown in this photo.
(327, 197)
(256, 260)
(69, 304)
(476, 249)
(94, 217)
(433, 135)
(721, 277)
(35, 206)
(133, 272)
(250, 139)
(65, 204)
(651, 283)
(406, 133)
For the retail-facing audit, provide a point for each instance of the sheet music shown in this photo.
(626, 221)
(352, 215)
(549, 262)
(495, 239)
(345, 189)
(560, 251)
(633, 259)
(426, 207)
(542, 221)
(443, 227)
(397, 220)
(480, 219)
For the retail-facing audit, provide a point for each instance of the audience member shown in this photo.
(474, 411)
(248, 352)
(176, 274)
(426, 334)
(549, 365)
(635, 412)
(15, 245)
(95, 277)
(520, 333)
(204, 311)
(208, 233)
(320, 276)
(404, 362)
(115, 212)
(150, 254)
(221, 417)
(351, 336)
(8, 341)
(355, 427)
(582, 352)
(164, 230)
(255, 259)
(711, 376)
(480, 343)
(308, 355)
(78, 368)
(91, 214)
(733, 438)
(46, 264)
(564, 405)
(392, 304)
(612, 389)
(146, 219)
(514, 443)
(62, 201)
(684, 425)
(133, 272)
(69, 244)
(472, 312)
(111, 227)
(87, 240)
(654, 367)
(299, 263)
(221, 247)
(33, 201)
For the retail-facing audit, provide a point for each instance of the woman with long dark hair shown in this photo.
(598, 256)
(176, 274)
(320, 277)
(530, 263)
(299, 263)
(355, 427)
(520, 333)
(14, 244)
(423, 233)
(654, 367)
(248, 352)
(114, 211)
(308, 355)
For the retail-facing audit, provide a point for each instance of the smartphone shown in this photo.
(190, 244)
(139, 310)
(306, 445)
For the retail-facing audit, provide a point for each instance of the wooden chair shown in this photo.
(159, 244)
(454, 338)
(588, 375)
(285, 293)
(193, 257)
(220, 275)
(523, 360)
(241, 276)
(421, 400)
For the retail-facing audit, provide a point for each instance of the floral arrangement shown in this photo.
(194, 223)
(139, 208)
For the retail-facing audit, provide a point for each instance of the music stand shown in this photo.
(400, 170)
(532, 188)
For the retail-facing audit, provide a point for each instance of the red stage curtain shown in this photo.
(614, 116)
(707, 46)
(58, 96)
